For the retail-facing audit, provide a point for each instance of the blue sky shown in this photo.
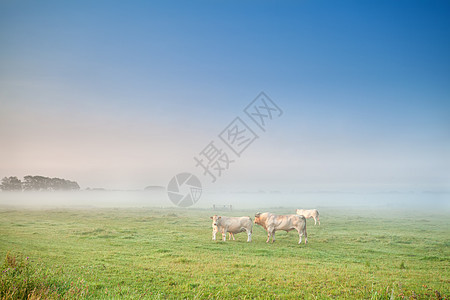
(123, 95)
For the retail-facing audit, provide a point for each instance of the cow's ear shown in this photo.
(211, 218)
(257, 214)
(219, 217)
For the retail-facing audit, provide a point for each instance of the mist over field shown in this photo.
(428, 202)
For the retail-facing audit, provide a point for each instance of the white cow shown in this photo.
(272, 223)
(232, 225)
(309, 213)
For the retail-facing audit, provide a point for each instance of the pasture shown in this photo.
(168, 253)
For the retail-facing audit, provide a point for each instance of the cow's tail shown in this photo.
(305, 233)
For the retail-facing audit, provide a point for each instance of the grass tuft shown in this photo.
(20, 278)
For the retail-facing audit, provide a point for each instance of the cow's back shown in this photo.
(286, 222)
(308, 213)
(236, 224)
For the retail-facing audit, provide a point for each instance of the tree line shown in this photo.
(37, 183)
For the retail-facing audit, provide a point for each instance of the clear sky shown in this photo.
(122, 94)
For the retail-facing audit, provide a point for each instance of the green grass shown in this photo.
(162, 253)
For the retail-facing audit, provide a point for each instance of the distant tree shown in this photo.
(41, 183)
(11, 184)
(35, 183)
(63, 184)
(73, 185)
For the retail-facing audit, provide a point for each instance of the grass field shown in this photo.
(162, 253)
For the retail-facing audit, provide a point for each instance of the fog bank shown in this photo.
(98, 199)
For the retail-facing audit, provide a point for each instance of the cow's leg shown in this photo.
(268, 236)
(299, 235)
(231, 236)
(249, 236)
(318, 219)
(315, 221)
(224, 235)
(306, 234)
(272, 233)
(214, 235)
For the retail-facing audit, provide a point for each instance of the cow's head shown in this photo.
(215, 219)
(258, 218)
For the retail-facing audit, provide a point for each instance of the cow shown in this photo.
(271, 223)
(232, 225)
(309, 213)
